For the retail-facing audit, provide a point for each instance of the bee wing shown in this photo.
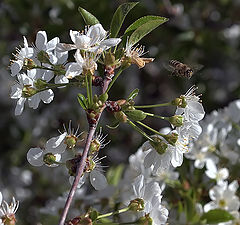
(197, 67)
(167, 66)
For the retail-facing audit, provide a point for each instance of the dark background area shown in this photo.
(198, 33)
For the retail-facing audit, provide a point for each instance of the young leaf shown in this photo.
(119, 17)
(82, 101)
(217, 216)
(89, 18)
(145, 29)
(133, 94)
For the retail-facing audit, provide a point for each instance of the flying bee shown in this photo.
(182, 70)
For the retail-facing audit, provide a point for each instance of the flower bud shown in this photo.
(71, 141)
(159, 145)
(40, 84)
(171, 138)
(49, 158)
(176, 121)
(145, 220)
(135, 115)
(120, 116)
(43, 57)
(180, 102)
(136, 205)
(94, 146)
(29, 64)
(28, 91)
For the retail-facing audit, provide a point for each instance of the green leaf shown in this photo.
(89, 18)
(135, 115)
(140, 22)
(114, 174)
(217, 216)
(145, 29)
(119, 17)
(133, 94)
(190, 207)
(82, 101)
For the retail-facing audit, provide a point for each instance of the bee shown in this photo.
(182, 70)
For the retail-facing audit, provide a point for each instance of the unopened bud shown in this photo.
(28, 91)
(103, 97)
(121, 102)
(109, 59)
(29, 64)
(120, 116)
(43, 57)
(176, 121)
(49, 158)
(159, 145)
(136, 205)
(180, 102)
(136, 115)
(171, 138)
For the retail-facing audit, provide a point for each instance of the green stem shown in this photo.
(153, 115)
(90, 89)
(114, 79)
(149, 128)
(139, 130)
(152, 106)
(113, 213)
(58, 85)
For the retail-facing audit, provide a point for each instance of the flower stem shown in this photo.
(153, 115)
(113, 213)
(149, 128)
(139, 130)
(152, 106)
(114, 79)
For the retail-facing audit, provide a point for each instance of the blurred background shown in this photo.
(198, 33)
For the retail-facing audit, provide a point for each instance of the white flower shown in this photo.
(22, 54)
(193, 111)
(151, 194)
(26, 90)
(213, 173)
(7, 212)
(94, 40)
(223, 196)
(94, 171)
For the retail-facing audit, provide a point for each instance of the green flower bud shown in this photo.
(159, 145)
(49, 158)
(28, 91)
(145, 220)
(120, 116)
(95, 98)
(176, 121)
(43, 57)
(59, 69)
(171, 138)
(135, 115)
(136, 205)
(29, 64)
(180, 102)
(40, 84)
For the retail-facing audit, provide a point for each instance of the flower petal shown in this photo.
(35, 156)
(98, 180)
(41, 40)
(15, 67)
(46, 96)
(20, 106)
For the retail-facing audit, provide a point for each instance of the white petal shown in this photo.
(73, 35)
(73, 70)
(15, 67)
(46, 96)
(138, 186)
(209, 206)
(51, 45)
(98, 180)
(34, 101)
(177, 158)
(16, 91)
(62, 47)
(96, 32)
(24, 79)
(197, 111)
(20, 106)
(111, 42)
(1, 198)
(233, 186)
(82, 42)
(211, 166)
(56, 144)
(35, 156)
(41, 40)
(61, 80)
(149, 159)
